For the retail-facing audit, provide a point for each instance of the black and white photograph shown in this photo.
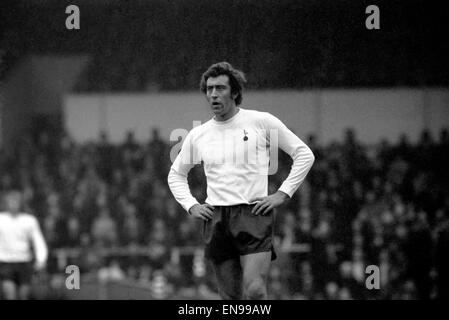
(200, 150)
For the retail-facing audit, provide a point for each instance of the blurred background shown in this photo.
(87, 119)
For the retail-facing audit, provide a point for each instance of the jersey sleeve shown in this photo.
(187, 158)
(40, 247)
(291, 144)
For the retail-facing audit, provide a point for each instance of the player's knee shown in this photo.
(255, 289)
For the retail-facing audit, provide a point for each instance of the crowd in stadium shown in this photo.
(385, 205)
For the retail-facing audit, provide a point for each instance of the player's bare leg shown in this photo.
(255, 275)
(9, 289)
(24, 291)
(229, 279)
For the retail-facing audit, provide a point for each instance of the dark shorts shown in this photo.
(234, 231)
(18, 272)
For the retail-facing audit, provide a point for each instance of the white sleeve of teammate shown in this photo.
(177, 177)
(40, 247)
(301, 154)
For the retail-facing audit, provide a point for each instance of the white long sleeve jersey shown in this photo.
(238, 154)
(17, 234)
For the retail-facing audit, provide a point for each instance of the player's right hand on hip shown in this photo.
(202, 211)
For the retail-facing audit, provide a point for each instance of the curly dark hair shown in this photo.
(236, 78)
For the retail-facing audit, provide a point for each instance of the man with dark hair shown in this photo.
(20, 234)
(238, 213)
(236, 79)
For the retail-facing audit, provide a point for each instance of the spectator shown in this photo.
(111, 273)
(104, 229)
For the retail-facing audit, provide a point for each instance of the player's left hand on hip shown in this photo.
(268, 203)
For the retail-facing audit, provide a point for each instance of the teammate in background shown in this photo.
(238, 212)
(22, 248)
